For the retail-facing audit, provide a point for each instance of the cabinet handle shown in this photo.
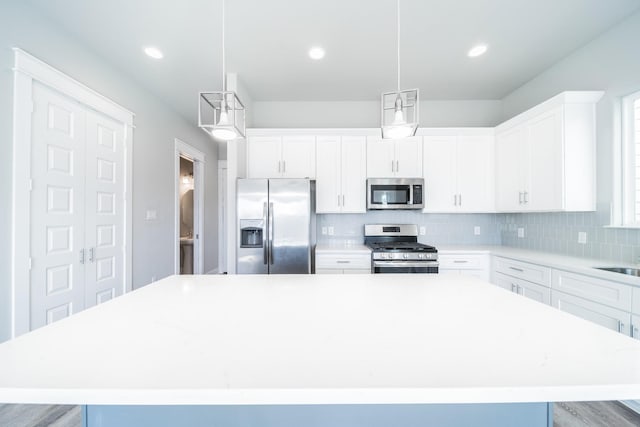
(393, 166)
(620, 326)
(455, 200)
(342, 262)
(343, 200)
(526, 197)
(633, 331)
(517, 269)
(279, 167)
(82, 256)
(91, 253)
(460, 261)
(519, 197)
(338, 200)
(514, 288)
(459, 199)
(284, 166)
(397, 165)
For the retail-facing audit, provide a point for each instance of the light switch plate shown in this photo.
(521, 232)
(476, 230)
(151, 215)
(423, 230)
(330, 230)
(582, 237)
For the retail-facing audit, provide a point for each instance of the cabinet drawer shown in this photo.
(601, 291)
(523, 270)
(522, 287)
(343, 262)
(463, 262)
(635, 305)
(603, 315)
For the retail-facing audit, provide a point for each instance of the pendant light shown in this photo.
(221, 112)
(399, 109)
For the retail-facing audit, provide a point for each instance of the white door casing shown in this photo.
(61, 169)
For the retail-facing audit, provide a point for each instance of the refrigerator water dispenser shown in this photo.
(251, 233)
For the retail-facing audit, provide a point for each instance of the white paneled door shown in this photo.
(77, 207)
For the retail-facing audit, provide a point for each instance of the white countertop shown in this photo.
(557, 261)
(319, 339)
(341, 247)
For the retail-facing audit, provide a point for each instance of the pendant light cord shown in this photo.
(398, 39)
(224, 74)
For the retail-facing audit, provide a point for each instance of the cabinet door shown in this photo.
(510, 168)
(545, 183)
(475, 174)
(299, 157)
(603, 315)
(328, 175)
(408, 155)
(354, 174)
(264, 157)
(380, 157)
(439, 167)
(534, 291)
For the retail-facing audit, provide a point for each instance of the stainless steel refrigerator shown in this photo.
(276, 226)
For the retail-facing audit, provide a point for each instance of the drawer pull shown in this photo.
(460, 261)
(343, 262)
(517, 269)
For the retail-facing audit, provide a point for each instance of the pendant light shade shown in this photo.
(221, 113)
(399, 109)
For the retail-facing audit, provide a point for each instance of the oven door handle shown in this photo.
(405, 264)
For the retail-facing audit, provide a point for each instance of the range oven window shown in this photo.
(400, 267)
(390, 194)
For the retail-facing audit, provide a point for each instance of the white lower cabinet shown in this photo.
(522, 287)
(343, 263)
(609, 317)
(464, 264)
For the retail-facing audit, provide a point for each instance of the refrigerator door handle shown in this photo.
(271, 233)
(265, 216)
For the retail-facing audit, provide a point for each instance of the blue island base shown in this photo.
(409, 415)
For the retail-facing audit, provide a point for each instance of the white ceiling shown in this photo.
(267, 43)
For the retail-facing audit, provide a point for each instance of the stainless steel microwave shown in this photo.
(395, 193)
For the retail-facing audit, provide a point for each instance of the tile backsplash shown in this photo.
(556, 232)
(441, 229)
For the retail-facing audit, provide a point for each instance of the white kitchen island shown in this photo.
(319, 350)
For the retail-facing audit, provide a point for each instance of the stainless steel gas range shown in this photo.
(395, 249)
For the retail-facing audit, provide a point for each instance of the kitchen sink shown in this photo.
(622, 270)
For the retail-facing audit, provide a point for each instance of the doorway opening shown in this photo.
(189, 183)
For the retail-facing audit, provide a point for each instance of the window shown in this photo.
(631, 160)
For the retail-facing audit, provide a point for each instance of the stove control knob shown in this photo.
(405, 256)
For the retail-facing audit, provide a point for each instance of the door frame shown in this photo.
(222, 217)
(182, 149)
(27, 70)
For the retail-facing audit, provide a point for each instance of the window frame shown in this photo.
(628, 164)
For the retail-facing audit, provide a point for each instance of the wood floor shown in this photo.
(592, 414)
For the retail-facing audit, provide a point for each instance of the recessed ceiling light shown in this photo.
(153, 52)
(316, 53)
(477, 50)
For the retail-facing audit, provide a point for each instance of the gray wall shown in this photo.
(156, 127)
(366, 114)
(611, 63)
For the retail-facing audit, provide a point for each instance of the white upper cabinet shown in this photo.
(341, 174)
(398, 158)
(458, 171)
(281, 156)
(545, 157)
